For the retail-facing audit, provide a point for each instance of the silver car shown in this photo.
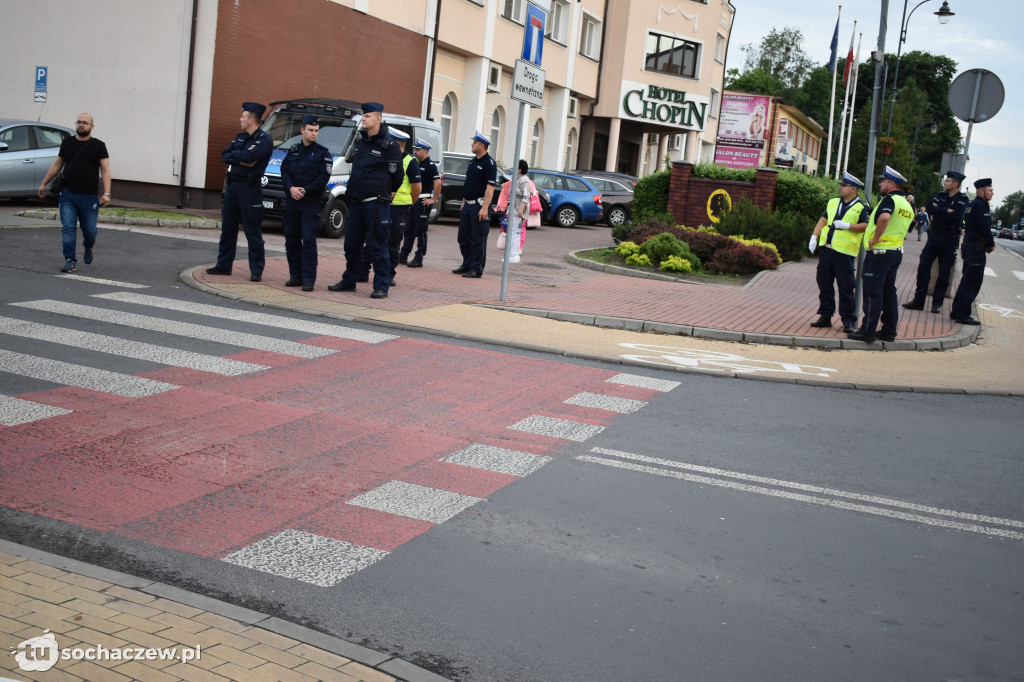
(27, 150)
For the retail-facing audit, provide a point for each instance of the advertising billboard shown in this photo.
(743, 128)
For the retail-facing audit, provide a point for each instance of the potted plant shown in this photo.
(885, 144)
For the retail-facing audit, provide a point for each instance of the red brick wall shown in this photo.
(269, 50)
(688, 196)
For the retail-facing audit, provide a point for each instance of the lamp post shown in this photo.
(943, 15)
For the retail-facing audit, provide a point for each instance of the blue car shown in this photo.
(573, 199)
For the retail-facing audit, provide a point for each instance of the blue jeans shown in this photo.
(77, 209)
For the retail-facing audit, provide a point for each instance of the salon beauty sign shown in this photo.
(664, 106)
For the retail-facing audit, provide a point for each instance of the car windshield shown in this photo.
(283, 128)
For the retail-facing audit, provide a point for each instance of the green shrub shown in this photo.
(650, 196)
(676, 264)
(627, 249)
(638, 259)
(804, 195)
(787, 231)
(768, 247)
(662, 246)
(716, 172)
(620, 233)
(740, 260)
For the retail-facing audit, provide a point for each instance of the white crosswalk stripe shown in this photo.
(989, 272)
(194, 331)
(68, 374)
(129, 349)
(14, 411)
(220, 312)
(1018, 274)
(100, 280)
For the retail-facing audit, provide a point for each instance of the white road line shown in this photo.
(303, 556)
(415, 501)
(1018, 274)
(812, 488)
(662, 385)
(989, 272)
(557, 428)
(308, 326)
(606, 402)
(500, 460)
(68, 374)
(14, 411)
(100, 280)
(193, 331)
(124, 348)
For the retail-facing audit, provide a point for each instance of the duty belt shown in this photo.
(881, 251)
(474, 201)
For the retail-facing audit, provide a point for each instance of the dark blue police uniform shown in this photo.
(243, 196)
(947, 217)
(977, 241)
(376, 174)
(473, 232)
(419, 222)
(309, 168)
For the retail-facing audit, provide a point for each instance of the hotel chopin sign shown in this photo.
(663, 105)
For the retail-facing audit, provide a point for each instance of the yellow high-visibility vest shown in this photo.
(403, 197)
(843, 241)
(896, 230)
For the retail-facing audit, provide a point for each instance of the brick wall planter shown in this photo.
(688, 197)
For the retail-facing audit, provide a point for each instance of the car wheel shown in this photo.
(334, 218)
(617, 215)
(567, 216)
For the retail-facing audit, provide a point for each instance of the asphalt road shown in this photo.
(722, 530)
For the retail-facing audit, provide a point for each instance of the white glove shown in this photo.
(813, 244)
(840, 225)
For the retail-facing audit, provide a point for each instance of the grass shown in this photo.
(608, 256)
(147, 213)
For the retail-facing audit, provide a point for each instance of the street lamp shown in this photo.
(943, 16)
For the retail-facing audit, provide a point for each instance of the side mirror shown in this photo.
(3, 146)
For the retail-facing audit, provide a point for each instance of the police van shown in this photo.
(338, 121)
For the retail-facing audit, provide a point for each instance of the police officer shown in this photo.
(883, 240)
(946, 211)
(977, 242)
(844, 221)
(304, 173)
(401, 205)
(376, 175)
(474, 219)
(416, 228)
(247, 157)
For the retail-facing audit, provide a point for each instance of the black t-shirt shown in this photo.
(82, 175)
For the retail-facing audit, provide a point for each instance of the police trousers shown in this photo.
(970, 283)
(301, 223)
(416, 231)
(399, 215)
(941, 245)
(473, 234)
(369, 224)
(243, 204)
(838, 268)
(880, 299)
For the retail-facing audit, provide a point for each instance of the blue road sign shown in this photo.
(40, 84)
(533, 37)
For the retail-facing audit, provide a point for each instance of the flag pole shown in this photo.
(832, 101)
(853, 99)
(846, 98)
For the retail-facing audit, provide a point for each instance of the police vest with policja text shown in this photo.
(896, 230)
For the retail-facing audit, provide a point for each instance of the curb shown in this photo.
(186, 278)
(392, 665)
(197, 223)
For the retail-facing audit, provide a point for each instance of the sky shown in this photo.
(984, 34)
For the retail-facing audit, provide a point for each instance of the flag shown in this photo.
(849, 56)
(835, 46)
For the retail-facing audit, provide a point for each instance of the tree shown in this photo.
(780, 55)
(756, 81)
(1012, 208)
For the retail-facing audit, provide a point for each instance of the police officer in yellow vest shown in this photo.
(883, 241)
(839, 232)
(401, 205)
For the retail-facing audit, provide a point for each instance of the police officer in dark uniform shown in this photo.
(247, 157)
(376, 175)
(474, 219)
(946, 211)
(977, 242)
(430, 191)
(304, 173)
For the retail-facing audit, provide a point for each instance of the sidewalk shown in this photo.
(84, 606)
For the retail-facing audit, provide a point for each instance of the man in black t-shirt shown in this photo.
(86, 163)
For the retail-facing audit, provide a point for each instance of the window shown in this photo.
(496, 132)
(671, 55)
(590, 37)
(16, 139)
(558, 21)
(546, 181)
(536, 143)
(574, 105)
(449, 119)
(513, 10)
(716, 101)
(570, 149)
(575, 185)
(720, 48)
(49, 137)
(494, 78)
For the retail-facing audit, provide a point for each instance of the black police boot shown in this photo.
(341, 286)
(403, 259)
(416, 262)
(913, 305)
(822, 321)
(859, 335)
(937, 308)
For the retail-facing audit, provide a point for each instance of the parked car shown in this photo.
(1006, 233)
(625, 178)
(454, 176)
(573, 199)
(27, 150)
(1018, 234)
(616, 195)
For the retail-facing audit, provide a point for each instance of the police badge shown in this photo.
(392, 167)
